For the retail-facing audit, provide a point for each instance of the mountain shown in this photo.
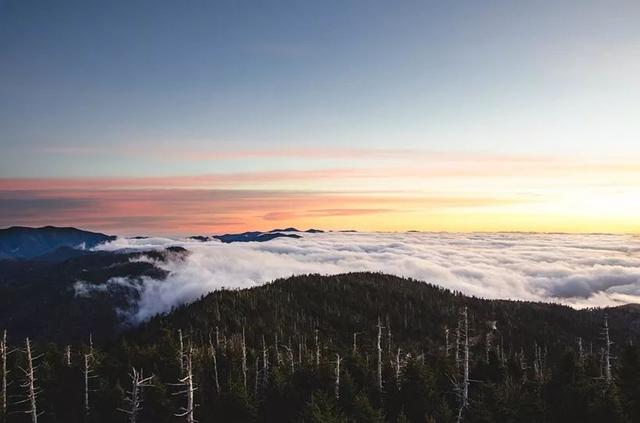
(69, 293)
(289, 229)
(292, 229)
(256, 236)
(20, 242)
(270, 354)
(253, 236)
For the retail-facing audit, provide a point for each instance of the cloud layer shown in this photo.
(579, 270)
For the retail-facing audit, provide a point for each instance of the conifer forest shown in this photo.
(356, 347)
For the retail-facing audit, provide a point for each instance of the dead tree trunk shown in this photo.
(29, 384)
(389, 338)
(317, 349)
(88, 375)
(134, 396)
(181, 352)
(398, 368)
(67, 356)
(379, 349)
(580, 351)
(337, 385)
(4, 352)
(214, 357)
(355, 343)
(539, 363)
(487, 346)
(608, 376)
(278, 361)
(292, 365)
(265, 362)
(464, 383)
(188, 390)
(447, 347)
(91, 344)
(244, 361)
(457, 352)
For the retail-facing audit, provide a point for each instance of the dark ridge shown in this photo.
(24, 242)
(65, 295)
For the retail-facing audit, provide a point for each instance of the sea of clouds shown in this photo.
(579, 270)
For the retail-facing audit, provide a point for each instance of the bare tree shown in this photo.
(214, 357)
(447, 347)
(290, 357)
(580, 351)
(379, 350)
(355, 343)
(606, 362)
(181, 352)
(30, 384)
(463, 388)
(134, 396)
(398, 368)
(67, 356)
(457, 351)
(389, 338)
(188, 390)
(265, 361)
(4, 352)
(487, 345)
(539, 363)
(90, 344)
(244, 361)
(277, 350)
(88, 375)
(337, 372)
(317, 348)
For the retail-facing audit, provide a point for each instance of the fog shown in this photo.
(578, 270)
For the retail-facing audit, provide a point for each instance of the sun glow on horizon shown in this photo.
(407, 191)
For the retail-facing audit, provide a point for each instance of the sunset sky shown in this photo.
(176, 118)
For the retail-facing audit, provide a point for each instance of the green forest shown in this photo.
(358, 347)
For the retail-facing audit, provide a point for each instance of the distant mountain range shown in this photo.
(245, 237)
(25, 243)
(256, 236)
(50, 243)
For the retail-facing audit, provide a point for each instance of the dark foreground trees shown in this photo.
(350, 348)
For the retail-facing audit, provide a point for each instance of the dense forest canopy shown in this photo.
(356, 347)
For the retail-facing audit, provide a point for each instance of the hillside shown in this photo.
(525, 362)
(20, 242)
(64, 295)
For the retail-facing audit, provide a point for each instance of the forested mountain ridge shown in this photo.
(359, 347)
(21, 242)
(63, 296)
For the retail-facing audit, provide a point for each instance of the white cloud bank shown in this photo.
(580, 270)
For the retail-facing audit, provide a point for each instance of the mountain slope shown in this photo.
(24, 242)
(65, 295)
(269, 354)
(416, 311)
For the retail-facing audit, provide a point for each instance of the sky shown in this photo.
(175, 118)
